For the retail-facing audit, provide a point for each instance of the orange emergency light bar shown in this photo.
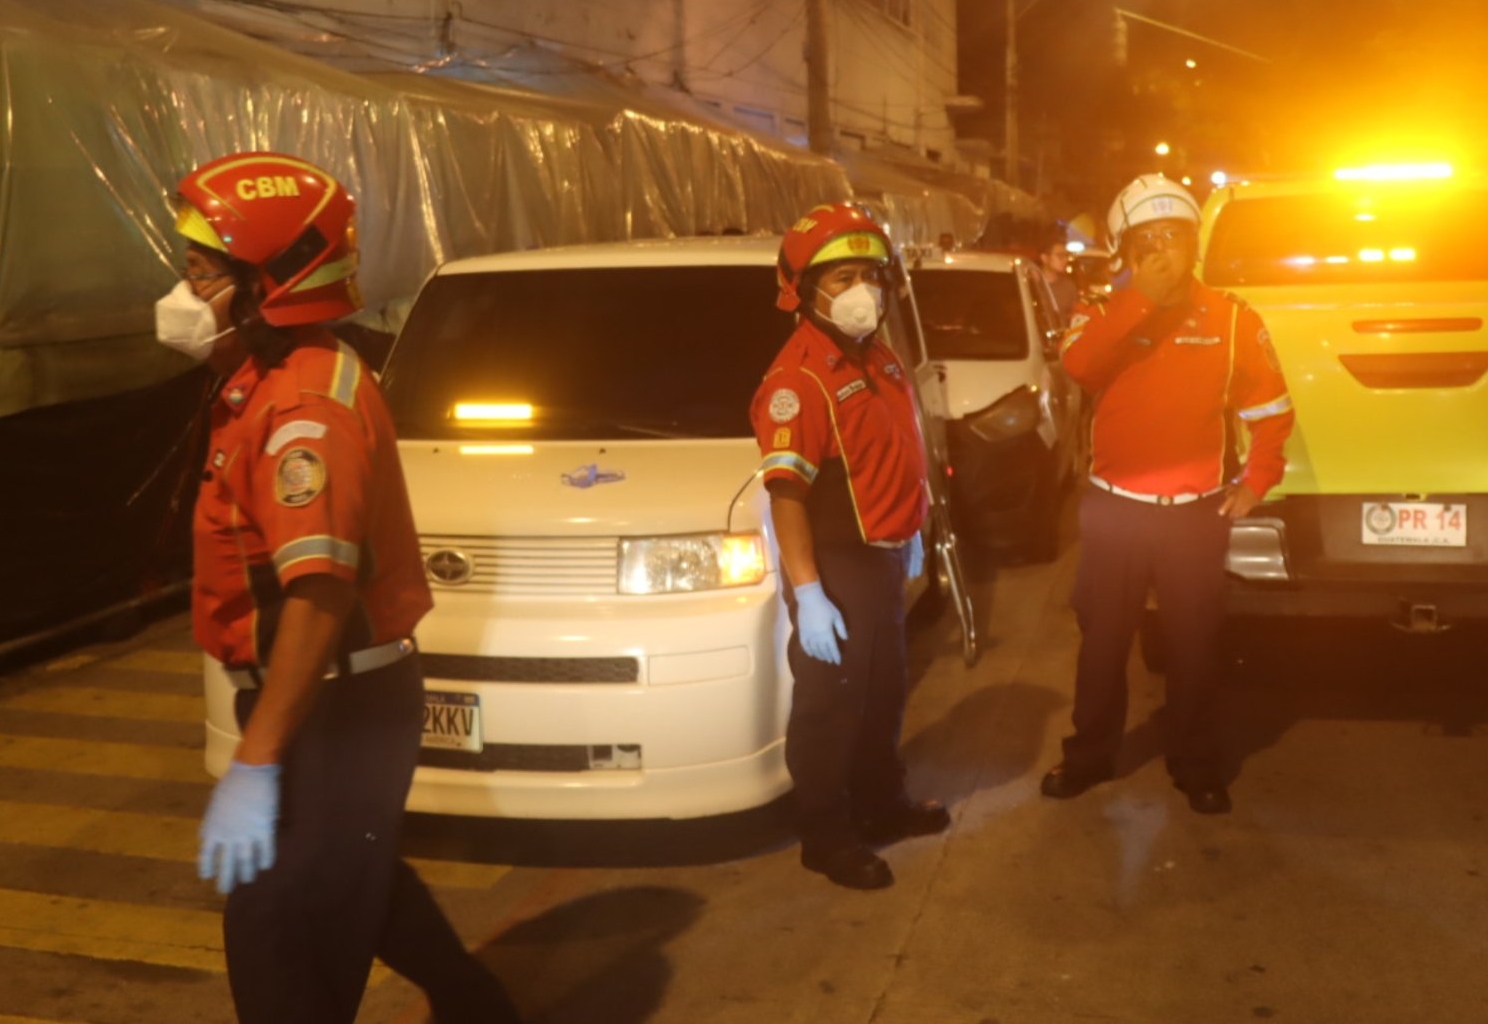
(1395, 172)
(492, 412)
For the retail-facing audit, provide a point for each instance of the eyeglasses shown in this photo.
(187, 275)
(1168, 233)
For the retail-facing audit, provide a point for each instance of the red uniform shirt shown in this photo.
(1169, 385)
(303, 477)
(815, 405)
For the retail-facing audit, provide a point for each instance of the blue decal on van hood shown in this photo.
(588, 476)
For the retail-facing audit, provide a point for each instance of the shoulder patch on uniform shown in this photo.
(1263, 339)
(301, 476)
(785, 405)
(294, 430)
(782, 437)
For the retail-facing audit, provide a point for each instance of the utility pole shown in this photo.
(818, 79)
(1010, 99)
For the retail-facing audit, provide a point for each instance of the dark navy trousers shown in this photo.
(1127, 546)
(842, 740)
(301, 937)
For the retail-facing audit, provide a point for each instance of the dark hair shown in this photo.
(267, 345)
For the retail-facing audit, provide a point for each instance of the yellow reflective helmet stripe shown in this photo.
(191, 224)
(328, 273)
(855, 245)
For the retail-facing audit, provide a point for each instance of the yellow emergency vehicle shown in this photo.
(1374, 285)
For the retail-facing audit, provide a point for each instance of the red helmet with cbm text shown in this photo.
(837, 231)
(287, 218)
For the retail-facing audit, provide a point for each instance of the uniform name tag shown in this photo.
(848, 390)
(1191, 339)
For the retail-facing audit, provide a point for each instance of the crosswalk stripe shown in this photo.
(92, 701)
(114, 832)
(105, 930)
(109, 930)
(90, 757)
(186, 663)
(158, 837)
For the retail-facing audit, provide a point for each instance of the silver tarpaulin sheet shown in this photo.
(103, 106)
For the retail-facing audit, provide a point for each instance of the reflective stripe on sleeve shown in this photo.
(1275, 407)
(339, 551)
(792, 462)
(347, 374)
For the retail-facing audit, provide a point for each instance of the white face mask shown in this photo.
(186, 323)
(856, 312)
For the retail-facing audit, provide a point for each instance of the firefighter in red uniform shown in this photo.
(844, 464)
(1173, 367)
(308, 584)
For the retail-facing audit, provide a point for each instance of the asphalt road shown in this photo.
(1350, 884)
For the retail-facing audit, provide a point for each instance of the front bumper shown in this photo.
(695, 728)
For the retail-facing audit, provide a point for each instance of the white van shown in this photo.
(1015, 420)
(608, 635)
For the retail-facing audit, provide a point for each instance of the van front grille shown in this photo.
(474, 668)
(532, 757)
(522, 566)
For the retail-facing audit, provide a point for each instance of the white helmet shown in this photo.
(1150, 197)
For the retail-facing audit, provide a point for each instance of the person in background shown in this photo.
(307, 587)
(1054, 265)
(844, 464)
(1172, 367)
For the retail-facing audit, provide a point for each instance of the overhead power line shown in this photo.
(1120, 13)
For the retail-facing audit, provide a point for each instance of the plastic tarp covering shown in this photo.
(103, 106)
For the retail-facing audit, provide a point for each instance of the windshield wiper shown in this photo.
(668, 429)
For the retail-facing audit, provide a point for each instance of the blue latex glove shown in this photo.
(237, 834)
(819, 623)
(914, 556)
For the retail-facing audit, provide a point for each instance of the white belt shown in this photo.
(366, 660)
(1153, 499)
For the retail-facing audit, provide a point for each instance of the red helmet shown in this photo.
(839, 231)
(288, 218)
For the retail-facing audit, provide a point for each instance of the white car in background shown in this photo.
(1014, 424)
(608, 636)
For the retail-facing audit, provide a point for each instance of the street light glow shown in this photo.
(1162, 149)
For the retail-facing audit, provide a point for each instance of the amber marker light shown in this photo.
(495, 449)
(492, 412)
(742, 559)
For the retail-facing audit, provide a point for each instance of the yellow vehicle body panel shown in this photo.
(1389, 378)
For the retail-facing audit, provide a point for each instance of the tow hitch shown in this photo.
(1419, 618)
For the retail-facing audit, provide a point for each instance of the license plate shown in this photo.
(1415, 523)
(452, 721)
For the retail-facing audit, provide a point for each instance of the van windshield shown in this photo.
(599, 354)
(967, 314)
(1385, 236)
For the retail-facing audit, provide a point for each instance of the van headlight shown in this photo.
(702, 561)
